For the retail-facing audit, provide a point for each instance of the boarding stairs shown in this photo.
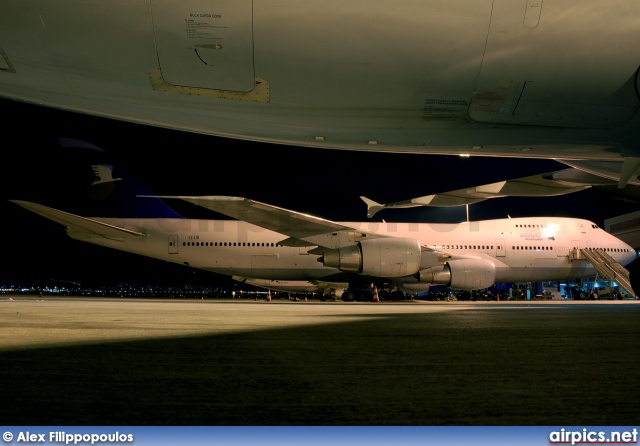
(609, 268)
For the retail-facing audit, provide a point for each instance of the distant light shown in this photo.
(464, 155)
(476, 147)
(373, 142)
(320, 138)
(525, 149)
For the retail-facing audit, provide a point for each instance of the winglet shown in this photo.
(372, 206)
(631, 163)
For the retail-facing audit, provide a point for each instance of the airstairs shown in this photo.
(609, 268)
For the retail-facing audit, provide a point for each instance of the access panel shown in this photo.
(205, 43)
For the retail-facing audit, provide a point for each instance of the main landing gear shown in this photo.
(367, 296)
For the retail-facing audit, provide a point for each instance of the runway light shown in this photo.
(373, 142)
(476, 147)
(320, 138)
(525, 149)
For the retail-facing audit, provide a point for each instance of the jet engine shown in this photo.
(384, 257)
(464, 274)
(411, 285)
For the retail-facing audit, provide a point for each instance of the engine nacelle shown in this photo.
(464, 274)
(384, 257)
(410, 285)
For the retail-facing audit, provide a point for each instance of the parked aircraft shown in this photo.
(285, 250)
(528, 78)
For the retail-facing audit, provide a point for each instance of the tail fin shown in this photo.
(83, 179)
(372, 206)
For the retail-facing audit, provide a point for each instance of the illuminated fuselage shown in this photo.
(522, 249)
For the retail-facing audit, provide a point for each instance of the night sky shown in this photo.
(326, 183)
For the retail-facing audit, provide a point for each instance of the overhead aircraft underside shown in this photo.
(545, 79)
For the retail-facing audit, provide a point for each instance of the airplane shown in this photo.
(280, 249)
(285, 250)
(529, 78)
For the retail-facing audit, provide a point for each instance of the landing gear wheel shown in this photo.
(348, 296)
(366, 296)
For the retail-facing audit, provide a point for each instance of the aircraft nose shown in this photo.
(630, 255)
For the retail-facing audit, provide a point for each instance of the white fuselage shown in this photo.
(522, 249)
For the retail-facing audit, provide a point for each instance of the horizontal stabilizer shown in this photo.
(79, 223)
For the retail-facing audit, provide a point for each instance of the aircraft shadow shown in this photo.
(543, 366)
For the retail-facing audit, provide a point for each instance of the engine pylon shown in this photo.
(375, 294)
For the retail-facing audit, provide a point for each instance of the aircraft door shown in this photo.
(500, 248)
(205, 43)
(575, 250)
(173, 244)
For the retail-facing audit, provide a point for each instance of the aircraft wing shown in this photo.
(303, 229)
(549, 184)
(79, 223)
(619, 172)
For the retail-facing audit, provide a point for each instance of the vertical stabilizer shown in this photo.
(83, 179)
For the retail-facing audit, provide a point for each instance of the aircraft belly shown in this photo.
(279, 274)
(399, 74)
(548, 273)
(72, 49)
(286, 265)
(393, 57)
(263, 266)
(523, 82)
(27, 57)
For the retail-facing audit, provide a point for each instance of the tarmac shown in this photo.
(98, 361)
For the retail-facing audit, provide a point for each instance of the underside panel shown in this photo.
(539, 66)
(205, 43)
